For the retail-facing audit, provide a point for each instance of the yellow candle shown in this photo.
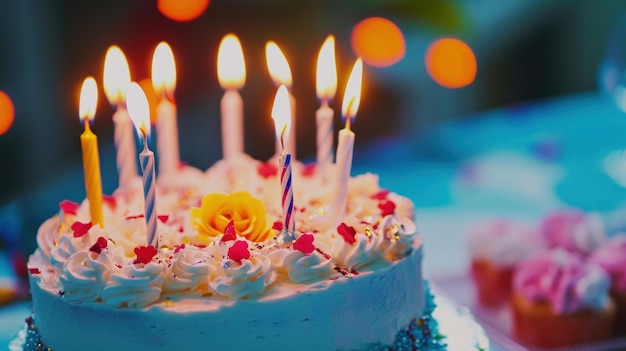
(89, 143)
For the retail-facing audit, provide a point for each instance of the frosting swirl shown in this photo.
(246, 279)
(299, 267)
(563, 280)
(189, 270)
(135, 285)
(503, 242)
(574, 231)
(84, 275)
(612, 258)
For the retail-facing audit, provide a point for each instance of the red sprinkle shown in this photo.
(229, 232)
(308, 170)
(80, 229)
(387, 207)
(145, 254)
(347, 232)
(163, 218)
(277, 225)
(110, 200)
(179, 247)
(380, 195)
(239, 251)
(267, 169)
(34, 270)
(69, 207)
(304, 244)
(100, 244)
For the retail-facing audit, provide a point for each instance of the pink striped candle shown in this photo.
(281, 113)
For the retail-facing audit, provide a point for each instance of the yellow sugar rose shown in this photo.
(217, 210)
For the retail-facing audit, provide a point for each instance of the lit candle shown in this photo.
(281, 112)
(281, 74)
(326, 87)
(89, 143)
(231, 73)
(345, 146)
(139, 110)
(116, 80)
(164, 82)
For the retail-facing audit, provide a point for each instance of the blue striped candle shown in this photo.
(146, 158)
(139, 112)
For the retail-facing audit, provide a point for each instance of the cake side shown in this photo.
(343, 314)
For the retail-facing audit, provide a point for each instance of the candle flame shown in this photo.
(326, 74)
(116, 75)
(281, 112)
(163, 70)
(88, 99)
(277, 65)
(352, 95)
(138, 108)
(231, 67)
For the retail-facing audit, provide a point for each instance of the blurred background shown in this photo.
(427, 64)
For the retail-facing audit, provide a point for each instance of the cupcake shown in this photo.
(574, 231)
(561, 300)
(612, 258)
(495, 248)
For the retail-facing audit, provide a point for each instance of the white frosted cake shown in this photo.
(225, 275)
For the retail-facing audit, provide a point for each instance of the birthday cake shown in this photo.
(226, 275)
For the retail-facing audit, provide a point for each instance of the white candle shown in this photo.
(167, 138)
(324, 124)
(125, 147)
(164, 83)
(231, 73)
(326, 87)
(281, 75)
(116, 80)
(345, 146)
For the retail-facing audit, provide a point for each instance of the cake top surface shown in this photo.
(221, 236)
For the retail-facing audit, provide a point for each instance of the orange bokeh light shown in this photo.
(451, 63)
(378, 41)
(153, 100)
(7, 112)
(182, 10)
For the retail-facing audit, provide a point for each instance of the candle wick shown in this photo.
(282, 137)
(145, 139)
(86, 123)
(348, 115)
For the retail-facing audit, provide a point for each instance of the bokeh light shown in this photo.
(153, 100)
(182, 10)
(7, 112)
(378, 41)
(451, 63)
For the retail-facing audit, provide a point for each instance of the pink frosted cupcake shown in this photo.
(574, 231)
(495, 248)
(560, 300)
(612, 258)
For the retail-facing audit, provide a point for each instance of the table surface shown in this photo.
(517, 162)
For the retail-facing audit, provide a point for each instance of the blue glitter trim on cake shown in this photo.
(422, 334)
